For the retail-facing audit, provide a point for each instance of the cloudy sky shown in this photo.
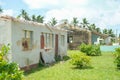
(104, 13)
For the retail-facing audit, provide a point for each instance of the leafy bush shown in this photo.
(65, 58)
(8, 71)
(85, 48)
(117, 57)
(95, 51)
(90, 50)
(80, 60)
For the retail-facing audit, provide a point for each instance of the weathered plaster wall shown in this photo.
(5, 31)
(25, 58)
(29, 57)
(12, 31)
(107, 40)
(62, 49)
(5, 35)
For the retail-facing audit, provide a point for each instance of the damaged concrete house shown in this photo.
(78, 35)
(32, 42)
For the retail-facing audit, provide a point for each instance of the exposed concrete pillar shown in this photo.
(90, 37)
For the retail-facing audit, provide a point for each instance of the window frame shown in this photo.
(48, 40)
(27, 42)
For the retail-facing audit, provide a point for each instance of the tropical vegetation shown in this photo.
(75, 21)
(53, 21)
(80, 60)
(109, 32)
(117, 57)
(84, 23)
(25, 15)
(102, 68)
(1, 10)
(38, 18)
(90, 50)
(8, 71)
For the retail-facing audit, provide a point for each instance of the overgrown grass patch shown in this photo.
(103, 69)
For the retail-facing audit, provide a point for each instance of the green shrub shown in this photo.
(90, 50)
(65, 58)
(80, 60)
(83, 48)
(8, 71)
(95, 50)
(58, 58)
(117, 57)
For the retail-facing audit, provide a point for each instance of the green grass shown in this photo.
(103, 68)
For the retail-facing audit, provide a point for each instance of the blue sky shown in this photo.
(104, 13)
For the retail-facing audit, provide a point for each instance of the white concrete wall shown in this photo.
(25, 58)
(30, 57)
(62, 50)
(108, 40)
(5, 31)
(11, 31)
(5, 35)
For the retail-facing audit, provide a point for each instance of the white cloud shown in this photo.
(110, 18)
(38, 4)
(113, 3)
(71, 4)
(69, 13)
(60, 8)
(101, 15)
(102, 18)
(9, 12)
(64, 13)
(115, 18)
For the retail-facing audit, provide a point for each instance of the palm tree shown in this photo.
(1, 10)
(105, 31)
(40, 19)
(92, 27)
(84, 23)
(110, 32)
(33, 18)
(53, 21)
(24, 15)
(65, 21)
(98, 30)
(75, 21)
